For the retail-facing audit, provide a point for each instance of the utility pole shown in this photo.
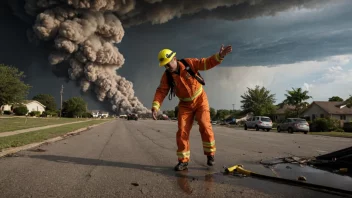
(233, 107)
(61, 92)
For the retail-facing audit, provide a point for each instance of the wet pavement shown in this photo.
(136, 159)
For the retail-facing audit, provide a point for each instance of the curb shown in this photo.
(10, 151)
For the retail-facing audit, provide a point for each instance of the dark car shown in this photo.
(132, 116)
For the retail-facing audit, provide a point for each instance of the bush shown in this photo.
(49, 113)
(7, 112)
(87, 115)
(34, 113)
(339, 130)
(324, 124)
(347, 127)
(20, 110)
(274, 124)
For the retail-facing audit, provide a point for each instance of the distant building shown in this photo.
(95, 113)
(98, 113)
(32, 105)
(280, 113)
(104, 114)
(326, 109)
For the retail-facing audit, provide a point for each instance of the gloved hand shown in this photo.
(224, 51)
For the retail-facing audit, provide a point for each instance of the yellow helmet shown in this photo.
(165, 56)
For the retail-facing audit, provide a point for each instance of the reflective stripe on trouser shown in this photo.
(199, 108)
(209, 147)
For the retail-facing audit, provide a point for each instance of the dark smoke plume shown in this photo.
(84, 33)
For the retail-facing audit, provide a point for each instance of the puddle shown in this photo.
(190, 180)
(312, 175)
(187, 177)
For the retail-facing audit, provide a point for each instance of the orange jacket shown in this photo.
(186, 87)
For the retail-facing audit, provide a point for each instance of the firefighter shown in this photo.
(193, 100)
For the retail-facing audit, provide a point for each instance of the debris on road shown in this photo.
(135, 184)
(302, 178)
(12, 155)
(239, 170)
(37, 150)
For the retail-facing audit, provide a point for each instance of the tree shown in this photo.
(47, 100)
(335, 99)
(259, 101)
(74, 107)
(349, 102)
(297, 98)
(222, 113)
(212, 113)
(12, 88)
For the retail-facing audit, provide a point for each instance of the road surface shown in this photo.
(136, 159)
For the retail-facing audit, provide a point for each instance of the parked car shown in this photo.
(293, 125)
(259, 122)
(132, 116)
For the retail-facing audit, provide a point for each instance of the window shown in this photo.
(266, 119)
(342, 117)
(313, 116)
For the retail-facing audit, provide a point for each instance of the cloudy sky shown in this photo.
(308, 48)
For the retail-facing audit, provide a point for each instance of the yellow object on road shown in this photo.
(232, 168)
(241, 170)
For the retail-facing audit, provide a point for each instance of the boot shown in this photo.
(181, 166)
(211, 160)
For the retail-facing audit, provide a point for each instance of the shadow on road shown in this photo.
(183, 177)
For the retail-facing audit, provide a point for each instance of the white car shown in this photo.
(259, 122)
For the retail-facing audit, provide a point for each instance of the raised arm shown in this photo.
(212, 61)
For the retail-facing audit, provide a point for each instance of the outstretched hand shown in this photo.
(225, 50)
(154, 113)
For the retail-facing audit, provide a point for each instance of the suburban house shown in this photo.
(95, 113)
(280, 113)
(98, 113)
(32, 105)
(104, 114)
(326, 109)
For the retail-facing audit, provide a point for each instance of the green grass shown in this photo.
(333, 134)
(44, 134)
(16, 123)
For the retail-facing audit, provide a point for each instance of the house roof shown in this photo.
(334, 107)
(25, 102)
(283, 108)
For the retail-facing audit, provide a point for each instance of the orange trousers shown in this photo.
(199, 108)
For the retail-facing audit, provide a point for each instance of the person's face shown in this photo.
(172, 65)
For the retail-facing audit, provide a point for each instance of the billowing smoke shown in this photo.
(84, 33)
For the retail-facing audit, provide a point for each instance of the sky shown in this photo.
(307, 48)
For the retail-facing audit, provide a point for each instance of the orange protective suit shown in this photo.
(193, 102)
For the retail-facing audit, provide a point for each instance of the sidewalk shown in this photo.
(4, 134)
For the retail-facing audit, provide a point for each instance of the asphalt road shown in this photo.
(136, 159)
